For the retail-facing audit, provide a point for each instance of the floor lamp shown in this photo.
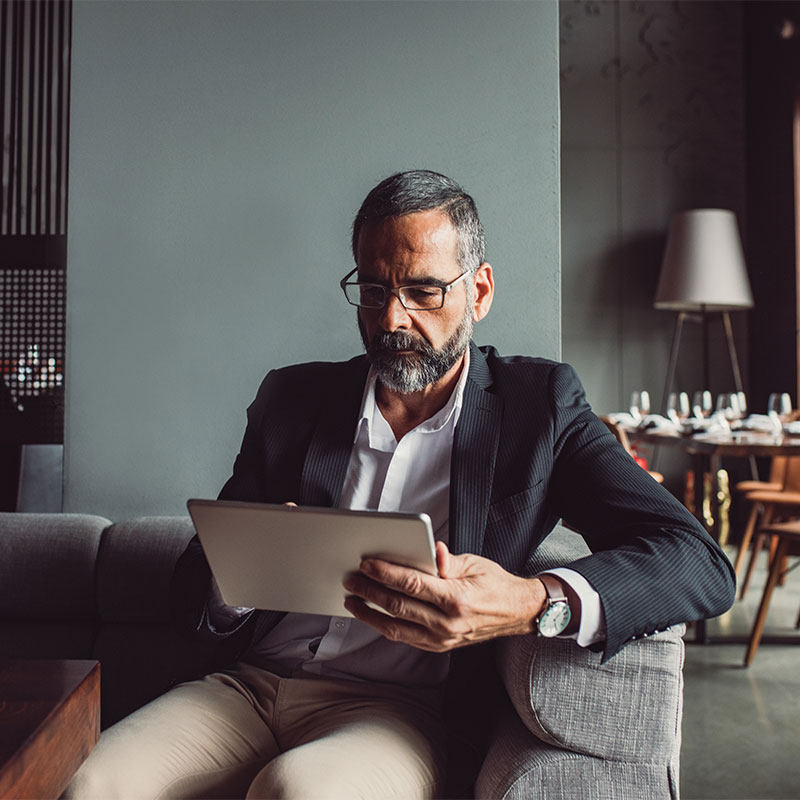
(703, 276)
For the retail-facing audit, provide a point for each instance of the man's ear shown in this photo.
(484, 291)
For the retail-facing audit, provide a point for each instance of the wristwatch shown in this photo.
(556, 615)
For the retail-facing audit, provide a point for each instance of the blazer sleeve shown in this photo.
(652, 563)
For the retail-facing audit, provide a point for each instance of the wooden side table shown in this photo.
(49, 723)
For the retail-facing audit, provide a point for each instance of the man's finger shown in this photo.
(406, 580)
(392, 628)
(399, 604)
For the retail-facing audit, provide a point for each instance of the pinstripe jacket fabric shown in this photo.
(527, 451)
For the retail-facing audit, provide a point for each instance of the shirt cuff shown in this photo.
(592, 628)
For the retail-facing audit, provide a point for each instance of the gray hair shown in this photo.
(423, 190)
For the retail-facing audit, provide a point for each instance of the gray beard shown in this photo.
(412, 372)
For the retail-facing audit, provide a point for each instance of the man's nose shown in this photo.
(394, 315)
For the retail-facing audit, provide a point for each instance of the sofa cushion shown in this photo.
(140, 651)
(135, 565)
(47, 565)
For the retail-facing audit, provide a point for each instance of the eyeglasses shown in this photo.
(417, 297)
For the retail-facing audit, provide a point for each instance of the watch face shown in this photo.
(554, 620)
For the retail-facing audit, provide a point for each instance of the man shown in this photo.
(495, 450)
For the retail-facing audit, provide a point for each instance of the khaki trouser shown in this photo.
(247, 731)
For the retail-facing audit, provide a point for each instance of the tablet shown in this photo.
(294, 558)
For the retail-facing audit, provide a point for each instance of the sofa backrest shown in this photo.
(80, 586)
(47, 584)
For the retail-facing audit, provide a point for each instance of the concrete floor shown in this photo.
(741, 726)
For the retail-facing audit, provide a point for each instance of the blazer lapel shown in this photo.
(328, 454)
(477, 436)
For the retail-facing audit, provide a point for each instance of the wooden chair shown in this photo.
(787, 536)
(782, 505)
(623, 439)
(780, 479)
(775, 483)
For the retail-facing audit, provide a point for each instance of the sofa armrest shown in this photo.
(628, 709)
(577, 729)
(574, 721)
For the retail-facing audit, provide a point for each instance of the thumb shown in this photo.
(444, 561)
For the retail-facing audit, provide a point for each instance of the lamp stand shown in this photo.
(703, 317)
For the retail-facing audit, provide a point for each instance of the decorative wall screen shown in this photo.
(34, 123)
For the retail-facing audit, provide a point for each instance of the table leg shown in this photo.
(714, 466)
(700, 632)
(700, 463)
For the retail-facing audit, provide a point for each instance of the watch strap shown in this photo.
(553, 587)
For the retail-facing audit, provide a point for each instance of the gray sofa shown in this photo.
(78, 586)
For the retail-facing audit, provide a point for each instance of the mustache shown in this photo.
(395, 341)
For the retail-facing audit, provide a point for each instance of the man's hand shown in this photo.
(472, 600)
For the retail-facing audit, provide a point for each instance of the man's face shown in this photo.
(412, 349)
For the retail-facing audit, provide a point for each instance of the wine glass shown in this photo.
(701, 404)
(640, 404)
(742, 398)
(678, 407)
(728, 405)
(779, 408)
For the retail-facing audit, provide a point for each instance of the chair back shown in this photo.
(623, 439)
(619, 432)
(777, 470)
(791, 475)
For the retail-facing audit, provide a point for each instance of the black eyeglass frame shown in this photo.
(395, 290)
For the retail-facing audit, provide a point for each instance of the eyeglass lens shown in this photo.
(369, 295)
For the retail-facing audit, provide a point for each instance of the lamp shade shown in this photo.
(703, 267)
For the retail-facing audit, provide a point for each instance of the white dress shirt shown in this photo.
(383, 474)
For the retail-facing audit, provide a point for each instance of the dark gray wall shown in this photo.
(652, 100)
(652, 122)
(218, 153)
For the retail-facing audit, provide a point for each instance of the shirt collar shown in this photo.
(449, 413)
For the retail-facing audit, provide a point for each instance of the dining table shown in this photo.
(707, 450)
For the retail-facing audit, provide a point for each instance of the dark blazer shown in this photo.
(527, 452)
